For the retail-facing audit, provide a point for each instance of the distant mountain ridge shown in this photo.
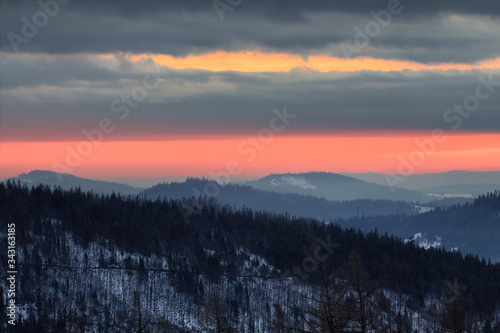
(293, 204)
(67, 181)
(471, 229)
(456, 182)
(319, 195)
(334, 187)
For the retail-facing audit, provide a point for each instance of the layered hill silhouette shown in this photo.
(451, 183)
(293, 204)
(67, 181)
(333, 186)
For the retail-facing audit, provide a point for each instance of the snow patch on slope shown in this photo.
(424, 242)
(297, 181)
(423, 209)
(451, 195)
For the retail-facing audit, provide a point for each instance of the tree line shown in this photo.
(347, 286)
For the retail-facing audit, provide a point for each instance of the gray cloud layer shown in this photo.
(425, 31)
(56, 86)
(286, 10)
(59, 96)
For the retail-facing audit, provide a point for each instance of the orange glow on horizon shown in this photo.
(131, 159)
(246, 61)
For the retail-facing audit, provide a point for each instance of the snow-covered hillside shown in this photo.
(424, 242)
(291, 180)
(107, 288)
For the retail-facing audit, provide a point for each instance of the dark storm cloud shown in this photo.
(424, 31)
(286, 10)
(194, 102)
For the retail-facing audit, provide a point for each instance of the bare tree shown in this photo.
(337, 305)
(457, 317)
(215, 313)
(328, 311)
(138, 307)
(281, 322)
(361, 306)
(393, 311)
(323, 309)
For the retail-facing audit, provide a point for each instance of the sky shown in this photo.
(244, 88)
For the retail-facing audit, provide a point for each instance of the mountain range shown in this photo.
(68, 181)
(293, 204)
(444, 184)
(333, 186)
(313, 195)
(324, 196)
(421, 188)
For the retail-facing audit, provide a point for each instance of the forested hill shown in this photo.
(469, 228)
(333, 186)
(82, 256)
(291, 203)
